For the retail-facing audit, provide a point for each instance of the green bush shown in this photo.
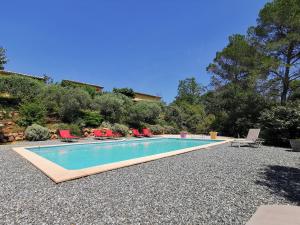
(106, 124)
(74, 128)
(113, 107)
(144, 112)
(31, 112)
(22, 88)
(170, 130)
(280, 124)
(91, 118)
(120, 128)
(36, 132)
(73, 101)
(125, 91)
(156, 129)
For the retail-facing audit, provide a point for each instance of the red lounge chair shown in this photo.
(147, 132)
(67, 136)
(98, 134)
(136, 133)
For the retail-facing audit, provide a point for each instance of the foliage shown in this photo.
(71, 104)
(120, 128)
(92, 91)
(174, 115)
(3, 59)
(36, 132)
(206, 124)
(156, 129)
(106, 124)
(22, 88)
(31, 112)
(144, 112)
(189, 90)
(91, 118)
(74, 128)
(281, 123)
(125, 91)
(170, 130)
(113, 107)
(277, 36)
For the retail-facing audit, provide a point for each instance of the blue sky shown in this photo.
(146, 45)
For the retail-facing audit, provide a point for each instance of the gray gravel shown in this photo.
(220, 185)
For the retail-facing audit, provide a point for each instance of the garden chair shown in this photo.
(67, 136)
(251, 139)
(147, 132)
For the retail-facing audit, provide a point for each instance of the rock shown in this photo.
(19, 138)
(11, 138)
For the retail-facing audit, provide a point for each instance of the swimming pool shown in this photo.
(73, 157)
(70, 161)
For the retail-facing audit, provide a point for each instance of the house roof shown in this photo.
(77, 82)
(21, 74)
(154, 96)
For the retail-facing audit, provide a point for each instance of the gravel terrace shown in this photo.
(219, 185)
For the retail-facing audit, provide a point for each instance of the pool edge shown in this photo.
(59, 174)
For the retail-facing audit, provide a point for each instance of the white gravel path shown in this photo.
(220, 185)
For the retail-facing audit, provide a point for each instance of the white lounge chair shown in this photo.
(251, 139)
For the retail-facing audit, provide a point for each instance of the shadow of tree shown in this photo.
(282, 181)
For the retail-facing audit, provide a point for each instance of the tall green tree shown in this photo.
(189, 90)
(238, 63)
(3, 59)
(277, 35)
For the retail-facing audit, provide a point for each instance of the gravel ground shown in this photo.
(219, 185)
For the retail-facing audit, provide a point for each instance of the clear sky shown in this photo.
(146, 45)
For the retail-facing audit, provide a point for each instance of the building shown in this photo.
(72, 83)
(10, 73)
(145, 97)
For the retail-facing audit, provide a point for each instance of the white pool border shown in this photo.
(59, 174)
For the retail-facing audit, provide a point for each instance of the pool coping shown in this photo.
(59, 174)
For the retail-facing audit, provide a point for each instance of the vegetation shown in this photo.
(36, 132)
(255, 82)
(3, 59)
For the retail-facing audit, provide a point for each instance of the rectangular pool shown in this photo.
(80, 156)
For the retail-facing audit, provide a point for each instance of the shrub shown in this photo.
(65, 102)
(144, 112)
(91, 118)
(120, 128)
(280, 124)
(31, 112)
(170, 130)
(106, 124)
(72, 103)
(156, 129)
(74, 128)
(113, 107)
(36, 132)
(22, 88)
(125, 91)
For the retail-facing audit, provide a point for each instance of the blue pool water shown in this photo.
(81, 156)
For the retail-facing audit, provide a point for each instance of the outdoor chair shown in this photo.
(251, 139)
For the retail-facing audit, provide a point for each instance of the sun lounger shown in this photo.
(251, 139)
(147, 132)
(66, 136)
(136, 133)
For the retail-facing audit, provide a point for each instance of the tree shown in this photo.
(189, 90)
(3, 59)
(277, 35)
(238, 63)
(125, 91)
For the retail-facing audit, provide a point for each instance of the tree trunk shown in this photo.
(286, 77)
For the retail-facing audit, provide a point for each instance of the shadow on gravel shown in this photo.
(282, 181)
